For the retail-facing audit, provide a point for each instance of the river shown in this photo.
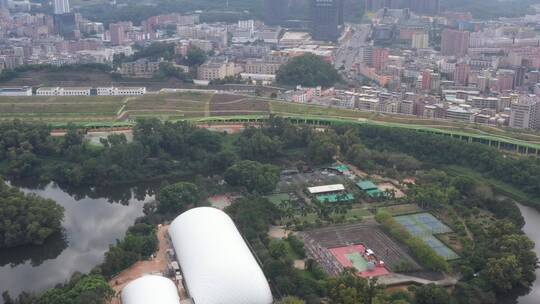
(94, 219)
(532, 229)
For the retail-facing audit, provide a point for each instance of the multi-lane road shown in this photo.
(349, 49)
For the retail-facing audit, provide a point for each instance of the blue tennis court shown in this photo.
(425, 226)
(440, 248)
(425, 221)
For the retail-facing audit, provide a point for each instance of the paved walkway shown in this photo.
(137, 270)
(399, 279)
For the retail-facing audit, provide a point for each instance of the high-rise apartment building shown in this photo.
(420, 40)
(426, 80)
(325, 19)
(276, 12)
(380, 57)
(61, 7)
(461, 73)
(341, 8)
(117, 33)
(525, 114)
(67, 25)
(454, 42)
(505, 79)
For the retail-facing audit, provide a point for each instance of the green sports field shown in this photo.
(357, 261)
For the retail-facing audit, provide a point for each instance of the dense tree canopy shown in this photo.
(176, 198)
(254, 176)
(520, 172)
(307, 70)
(195, 56)
(81, 289)
(254, 144)
(431, 294)
(322, 149)
(90, 289)
(496, 257)
(158, 149)
(138, 244)
(26, 219)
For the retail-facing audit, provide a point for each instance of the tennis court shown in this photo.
(351, 256)
(422, 223)
(357, 261)
(440, 248)
(425, 226)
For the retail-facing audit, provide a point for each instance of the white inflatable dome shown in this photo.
(150, 289)
(218, 266)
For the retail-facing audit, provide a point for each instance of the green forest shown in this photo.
(497, 259)
(307, 70)
(27, 219)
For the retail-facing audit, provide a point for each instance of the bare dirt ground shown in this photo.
(389, 186)
(356, 171)
(278, 232)
(227, 104)
(230, 129)
(158, 264)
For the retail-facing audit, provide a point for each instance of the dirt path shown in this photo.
(158, 264)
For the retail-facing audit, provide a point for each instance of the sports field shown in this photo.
(339, 238)
(425, 226)
(420, 224)
(351, 256)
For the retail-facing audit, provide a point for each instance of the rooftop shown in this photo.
(327, 188)
(366, 185)
(335, 198)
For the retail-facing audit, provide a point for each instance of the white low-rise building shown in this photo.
(150, 289)
(100, 91)
(20, 91)
(75, 91)
(120, 91)
(216, 262)
(59, 91)
(48, 91)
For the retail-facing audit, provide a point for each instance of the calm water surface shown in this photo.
(94, 219)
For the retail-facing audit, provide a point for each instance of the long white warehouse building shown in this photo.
(218, 266)
(150, 289)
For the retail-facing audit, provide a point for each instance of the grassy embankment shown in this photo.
(84, 109)
(188, 105)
